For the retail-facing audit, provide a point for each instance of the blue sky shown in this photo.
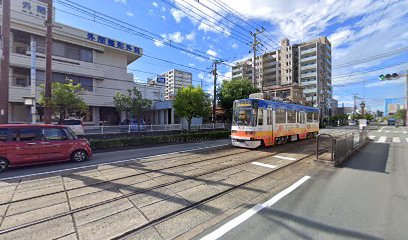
(357, 29)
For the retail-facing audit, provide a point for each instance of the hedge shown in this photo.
(129, 142)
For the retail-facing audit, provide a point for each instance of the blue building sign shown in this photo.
(161, 79)
(34, 9)
(113, 43)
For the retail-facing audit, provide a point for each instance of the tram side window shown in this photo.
(309, 117)
(269, 122)
(260, 116)
(301, 117)
(315, 117)
(280, 116)
(291, 116)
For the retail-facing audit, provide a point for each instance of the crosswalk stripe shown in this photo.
(371, 137)
(387, 131)
(396, 140)
(382, 139)
(406, 139)
(285, 158)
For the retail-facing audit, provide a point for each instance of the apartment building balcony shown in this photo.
(310, 90)
(308, 75)
(311, 66)
(311, 50)
(307, 83)
(307, 59)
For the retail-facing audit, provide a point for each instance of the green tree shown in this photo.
(234, 90)
(401, 115)
(191, 102)
(65, 99)
(133, 103)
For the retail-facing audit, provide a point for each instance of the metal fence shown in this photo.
(131, 128)
(341, 146)
(152, 128)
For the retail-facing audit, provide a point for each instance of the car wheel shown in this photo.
(4, 164)
(79, 156)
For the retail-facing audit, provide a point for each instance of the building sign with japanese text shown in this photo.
(34, 8)
(113, 43)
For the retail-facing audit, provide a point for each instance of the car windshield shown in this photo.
(71, 122)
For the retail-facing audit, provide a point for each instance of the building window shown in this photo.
(72, 51)
(21, 77)
(280, 115)
(291, 116)
(309, 117)
(86, 82)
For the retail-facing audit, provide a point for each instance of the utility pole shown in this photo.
(48, 65)
(33, 73)
(214, 72)
(5, 62)
(255, 43)
(362, 105)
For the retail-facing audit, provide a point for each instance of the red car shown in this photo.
(24, 144)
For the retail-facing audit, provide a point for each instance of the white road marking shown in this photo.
(406, 139)
(249, 213)
(102, 164)
(387, 131)
(371, 137)
(285, 158)
(264, 165)
(382, 139)
(381, 129)
(396, 139)
(404, 132)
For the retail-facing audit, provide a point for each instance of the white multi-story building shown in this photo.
(176, 79)
(99, 63)
(306, 64)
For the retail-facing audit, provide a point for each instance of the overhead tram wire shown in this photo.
(241, 34)
(242, 18)
(242, 40)
(120, 25)
(235, 24)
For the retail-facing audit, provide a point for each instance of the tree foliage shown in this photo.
(191, 102)
(132, 103)
(65, 99)
(401, 114)
(234, 90)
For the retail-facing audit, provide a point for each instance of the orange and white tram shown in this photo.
(258, 122)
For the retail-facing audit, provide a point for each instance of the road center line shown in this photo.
(249, 213)
(264, 165)
(285, 158)
(107, 163)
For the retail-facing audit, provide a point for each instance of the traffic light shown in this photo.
(388, 76)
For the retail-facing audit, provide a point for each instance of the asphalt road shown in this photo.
(365, 199)
(110, 157)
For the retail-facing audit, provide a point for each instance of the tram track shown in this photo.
(175, 213)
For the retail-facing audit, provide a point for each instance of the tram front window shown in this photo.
(244, 117)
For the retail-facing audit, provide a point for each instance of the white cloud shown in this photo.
(212, 52)
(384, 83)
(121, 1)
(191, 65)
(191, 36)
(176, 37)
(177, 15)
(163, 8)
(163, 17)
(129, 13)
(155, 4)
(234, 46)
(158, 43)
(201, 75)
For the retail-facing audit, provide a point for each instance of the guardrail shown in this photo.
(341, 146)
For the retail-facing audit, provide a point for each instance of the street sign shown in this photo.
(161, 80)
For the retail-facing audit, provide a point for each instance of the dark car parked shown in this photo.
(24, 144)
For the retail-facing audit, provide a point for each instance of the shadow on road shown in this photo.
(372, 157)
(286, 220)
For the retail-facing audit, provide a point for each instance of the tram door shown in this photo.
(269, 124)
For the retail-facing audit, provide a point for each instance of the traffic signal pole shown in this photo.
(48, 67)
